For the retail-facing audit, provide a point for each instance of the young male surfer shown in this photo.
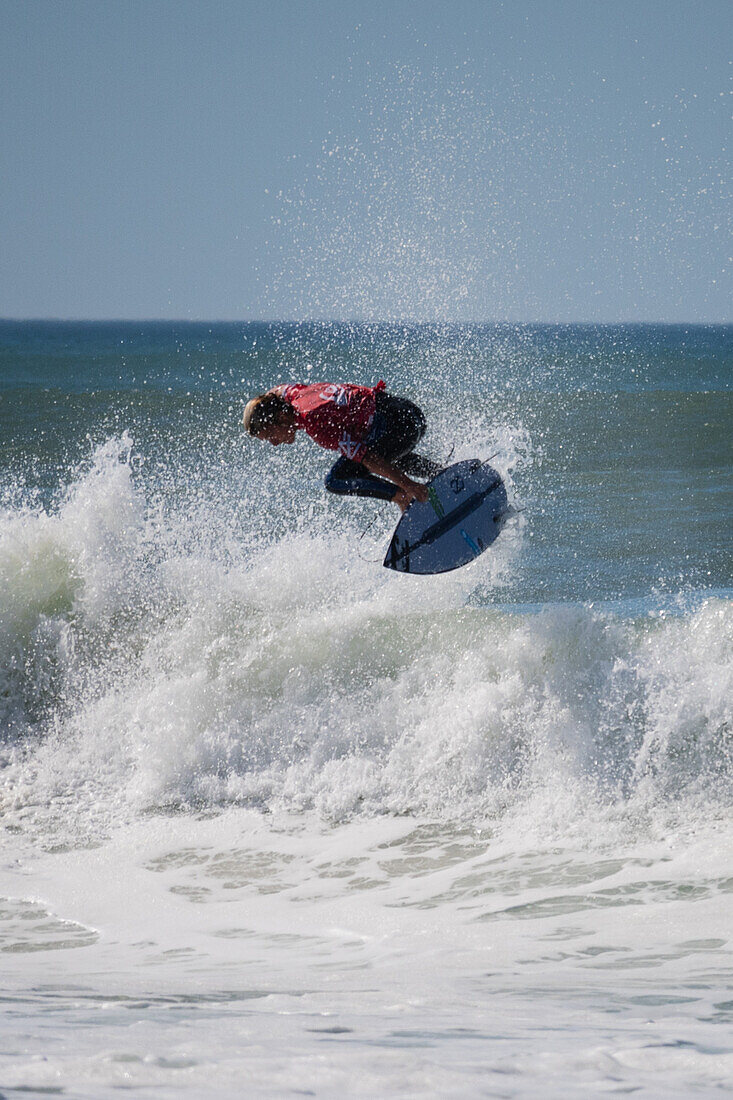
(374, 432)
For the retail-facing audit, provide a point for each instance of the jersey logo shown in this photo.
(337, 394)
(349, 447)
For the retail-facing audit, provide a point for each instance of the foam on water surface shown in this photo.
(290, 950)
(273, 815)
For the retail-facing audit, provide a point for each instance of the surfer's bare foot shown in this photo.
(402, 500)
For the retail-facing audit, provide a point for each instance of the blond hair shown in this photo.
(262, 412)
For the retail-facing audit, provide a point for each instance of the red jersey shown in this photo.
(335, 417)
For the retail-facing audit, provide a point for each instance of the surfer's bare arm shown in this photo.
(410, 490)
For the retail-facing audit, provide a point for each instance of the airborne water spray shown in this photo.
(422, 211)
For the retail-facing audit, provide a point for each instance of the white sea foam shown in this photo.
(149, 671)
(309, 824)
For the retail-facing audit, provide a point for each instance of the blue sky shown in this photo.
(462, 160)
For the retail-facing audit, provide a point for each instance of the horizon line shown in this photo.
(334, 321)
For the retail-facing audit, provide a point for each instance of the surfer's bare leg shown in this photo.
(407, 489)
(374, 476)
(402, 499)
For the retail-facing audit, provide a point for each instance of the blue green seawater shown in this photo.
(618, 436)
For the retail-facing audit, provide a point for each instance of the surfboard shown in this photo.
(465, 512)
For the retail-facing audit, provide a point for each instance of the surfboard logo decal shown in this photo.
(470, 543)
(434, 500)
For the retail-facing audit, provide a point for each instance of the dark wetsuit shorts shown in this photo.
(397, 428)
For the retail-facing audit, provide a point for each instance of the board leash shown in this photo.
(367, 529)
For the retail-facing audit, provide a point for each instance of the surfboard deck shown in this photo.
(465, 513)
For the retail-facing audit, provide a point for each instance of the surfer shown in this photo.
(374, 432)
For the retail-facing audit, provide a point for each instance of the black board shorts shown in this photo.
(397, 428)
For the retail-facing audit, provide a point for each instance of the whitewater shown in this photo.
(277, 821)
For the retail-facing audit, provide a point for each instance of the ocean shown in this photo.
(277, 821)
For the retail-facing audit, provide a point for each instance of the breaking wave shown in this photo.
(149, 662)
